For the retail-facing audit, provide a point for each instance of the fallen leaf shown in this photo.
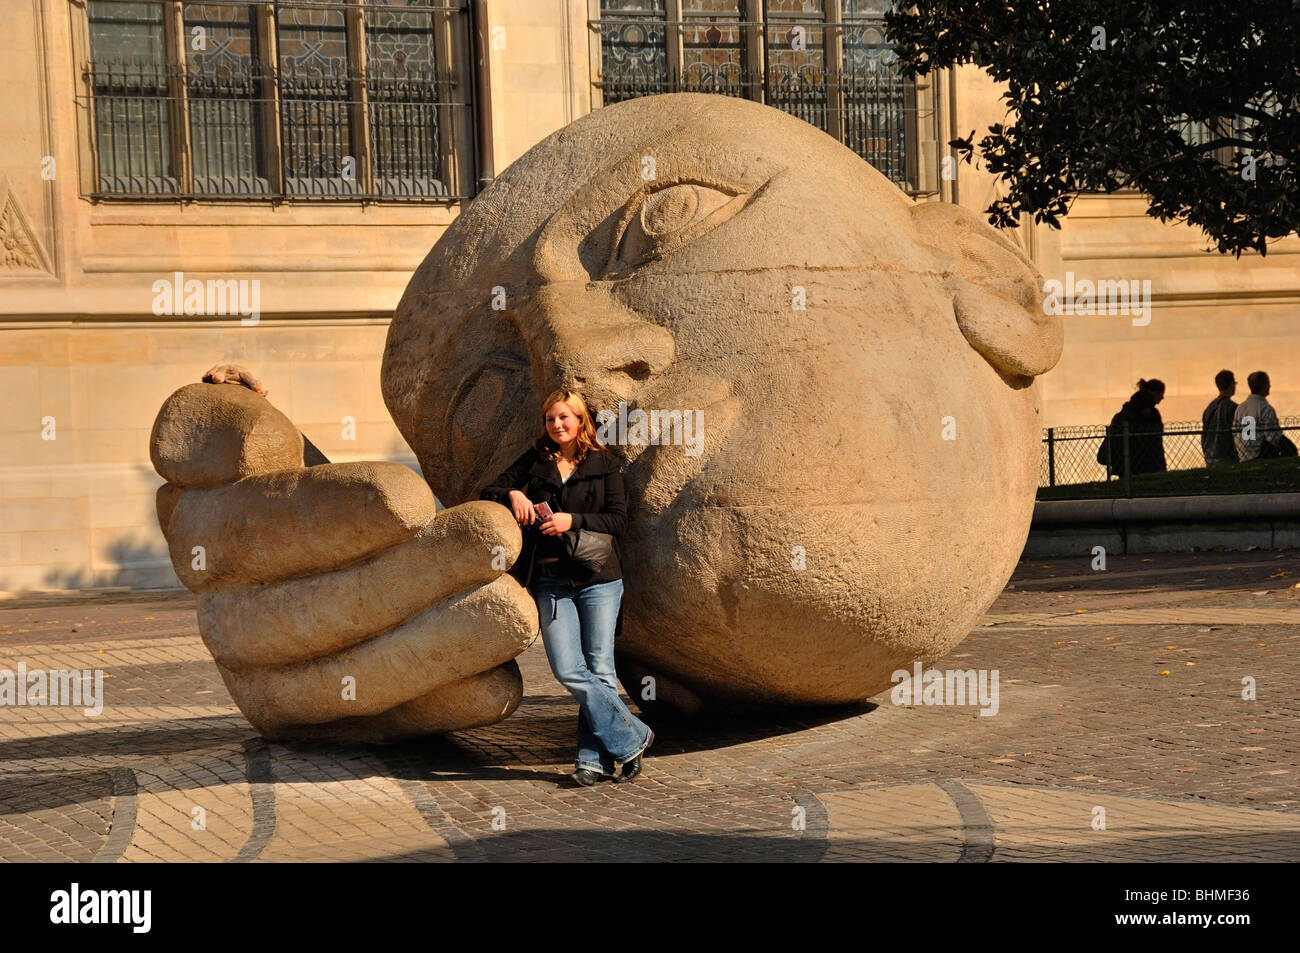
(1165, 672)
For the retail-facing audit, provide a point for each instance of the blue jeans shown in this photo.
(578, 624)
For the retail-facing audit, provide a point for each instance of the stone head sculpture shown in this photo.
(858, 369)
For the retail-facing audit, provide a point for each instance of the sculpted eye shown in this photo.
(658, 222)
(481, 405)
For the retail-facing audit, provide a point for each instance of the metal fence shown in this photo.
(1072, 458)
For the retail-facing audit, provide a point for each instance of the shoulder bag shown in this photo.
(589, 548)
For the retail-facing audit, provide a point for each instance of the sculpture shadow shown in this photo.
(130, 561)
(46, 790)
(537, 735)
(1161, 572)
(649, 846)
(708, 731)
(135, 741)
(637, 846)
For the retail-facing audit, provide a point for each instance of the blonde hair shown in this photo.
(586, 438)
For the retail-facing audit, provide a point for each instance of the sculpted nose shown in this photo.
(598, 346)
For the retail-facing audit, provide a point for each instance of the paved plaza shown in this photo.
(1121, 734)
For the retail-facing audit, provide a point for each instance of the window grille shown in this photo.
(297, 99)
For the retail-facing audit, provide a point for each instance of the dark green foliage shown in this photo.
(1172, 104)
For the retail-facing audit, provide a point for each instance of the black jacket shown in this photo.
(1146, 438)
(593, 495)
(1217, 445)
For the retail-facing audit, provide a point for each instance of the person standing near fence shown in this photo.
(1146, 431)
(1217, 442)
(1257, 432)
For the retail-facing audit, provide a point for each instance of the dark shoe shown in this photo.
(585, 778)
(632, 768)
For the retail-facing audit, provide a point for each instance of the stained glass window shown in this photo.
(405, 93)
(874, 95)
(826, 61)
(714, 53)
(633, 48)
(315, 120)
(130, 79)
(223, 76)
(795, 41)
(297, 98)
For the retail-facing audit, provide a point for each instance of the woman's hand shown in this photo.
(557, 524)
(524, 512)
(235, 374)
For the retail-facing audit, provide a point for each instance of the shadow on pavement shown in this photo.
(1165, 572)
(133, 741)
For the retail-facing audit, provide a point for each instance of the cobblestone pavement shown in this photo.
(1121, 734)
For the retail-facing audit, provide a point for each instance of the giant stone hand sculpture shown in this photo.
(336, 604)
(684, 252)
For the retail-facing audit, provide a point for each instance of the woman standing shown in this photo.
(579, 480)
(1146, 433)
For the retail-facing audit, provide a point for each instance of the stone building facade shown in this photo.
(188, 182)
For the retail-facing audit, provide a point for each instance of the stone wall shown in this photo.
(1210, 312)
(78, 510)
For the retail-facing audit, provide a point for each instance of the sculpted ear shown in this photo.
(996, 292)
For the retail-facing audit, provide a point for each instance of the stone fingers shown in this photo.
(288, 523)
(456, 639)
(473, 702)
(299, 619)
(210, 434)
